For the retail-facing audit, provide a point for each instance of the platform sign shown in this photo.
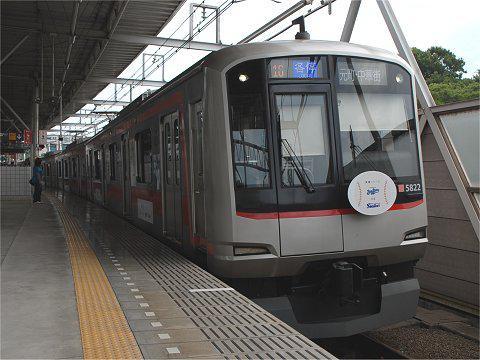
(27, 137)
(372, 193)
(42, 137)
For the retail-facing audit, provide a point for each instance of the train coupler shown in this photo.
(348, 281)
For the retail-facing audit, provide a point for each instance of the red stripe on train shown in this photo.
(317, 213)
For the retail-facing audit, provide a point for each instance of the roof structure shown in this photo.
(73, 48)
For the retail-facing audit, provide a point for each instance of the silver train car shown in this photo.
(245, 162)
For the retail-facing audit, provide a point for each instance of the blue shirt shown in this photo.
(37, 173)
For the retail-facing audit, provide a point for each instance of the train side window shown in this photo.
(112, 150)
(250, 145)
(90, 163)
(199, 134)
(65, 164)
(144, 156)
(96, 155)
(177, 151)
(168, 152)
(74, 167)
(59, 169)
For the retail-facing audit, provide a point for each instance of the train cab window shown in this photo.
(112, 151)
(377, 119)
(144, 156)
(303, 125)
(250, 145)
(96, 158)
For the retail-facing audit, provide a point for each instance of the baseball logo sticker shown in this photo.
(372, 193)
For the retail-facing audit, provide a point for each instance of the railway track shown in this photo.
(360, 346)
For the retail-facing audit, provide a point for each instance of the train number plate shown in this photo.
(410, 188)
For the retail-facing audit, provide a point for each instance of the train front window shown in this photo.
(246, 88)
(377, 121)
(304, 141)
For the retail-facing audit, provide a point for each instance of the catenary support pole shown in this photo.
(35, 121)
(60, 138)
(53, 66)
(423, 92)
(350, 20)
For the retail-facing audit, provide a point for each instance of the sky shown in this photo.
(453, 25)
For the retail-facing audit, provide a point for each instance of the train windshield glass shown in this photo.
(305, 148)
(246, 95)
(377, 121)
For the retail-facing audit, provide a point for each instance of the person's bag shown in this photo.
(32, 181)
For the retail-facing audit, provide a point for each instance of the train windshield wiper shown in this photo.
(299, 168)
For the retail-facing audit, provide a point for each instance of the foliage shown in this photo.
(456, 90)
(443, 72)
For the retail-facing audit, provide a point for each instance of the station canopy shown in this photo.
(82, 47)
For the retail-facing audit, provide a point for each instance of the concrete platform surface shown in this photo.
(38, 308)
(13, 214)
(175, 308)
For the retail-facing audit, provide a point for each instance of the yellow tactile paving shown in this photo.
(104, 329)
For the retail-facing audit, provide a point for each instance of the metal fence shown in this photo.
(14, 181)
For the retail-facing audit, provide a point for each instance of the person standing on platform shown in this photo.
(37, 181)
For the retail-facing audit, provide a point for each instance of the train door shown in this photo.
(104, 175)
(172, 214)
(125, 175)
(306, 176)
(90, 175)
(198, 177)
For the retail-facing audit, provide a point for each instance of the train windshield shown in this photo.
(377, 119)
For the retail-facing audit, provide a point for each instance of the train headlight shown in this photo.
(249, 250)
(399, 78)
(416, 234)
(243, 77)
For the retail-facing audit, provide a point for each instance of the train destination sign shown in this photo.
(362, 73)
(313, 67)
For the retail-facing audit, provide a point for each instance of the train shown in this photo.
(290, 169)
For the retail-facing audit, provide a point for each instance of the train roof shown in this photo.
(229, 56)
(232, 55)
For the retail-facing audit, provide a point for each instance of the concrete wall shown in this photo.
(450, 266)
(14, 181)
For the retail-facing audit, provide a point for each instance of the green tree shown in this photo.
(476, 76)
(443, 72)
(439, 64)
(457, 90)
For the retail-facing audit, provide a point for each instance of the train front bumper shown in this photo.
(398, 303)
(271, 265)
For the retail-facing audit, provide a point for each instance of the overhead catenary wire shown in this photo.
(198, 29)
(151, 68)
(151, 55)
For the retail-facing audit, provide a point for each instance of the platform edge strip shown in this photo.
(104, 329)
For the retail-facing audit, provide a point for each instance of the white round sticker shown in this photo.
(372, 193)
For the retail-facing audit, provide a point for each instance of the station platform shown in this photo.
(78, 281)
